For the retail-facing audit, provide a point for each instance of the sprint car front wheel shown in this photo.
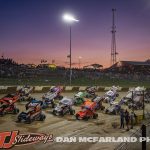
(54, 112)
(114, 112)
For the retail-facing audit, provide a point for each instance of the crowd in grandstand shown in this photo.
(9, 68)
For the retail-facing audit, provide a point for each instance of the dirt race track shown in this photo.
(67, 126)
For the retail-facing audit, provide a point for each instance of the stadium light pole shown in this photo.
(69, 18)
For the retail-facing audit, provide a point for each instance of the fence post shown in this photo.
(143, 128)
(143, 105)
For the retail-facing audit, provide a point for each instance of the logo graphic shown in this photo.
(9, 139)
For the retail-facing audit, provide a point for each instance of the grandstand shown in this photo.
(139, 67)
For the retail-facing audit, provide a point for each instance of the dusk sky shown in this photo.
(31, 30)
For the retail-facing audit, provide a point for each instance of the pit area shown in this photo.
(68, 126)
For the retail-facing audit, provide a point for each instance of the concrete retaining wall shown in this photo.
(12, 89)
(82, 88)
(8, 89)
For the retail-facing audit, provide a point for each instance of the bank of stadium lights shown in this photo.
(69, 18)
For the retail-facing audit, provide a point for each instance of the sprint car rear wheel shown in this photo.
(29, 99)
(129, 107)
(21, 99)
(28, 120)
(60, 97)
(106, 111)
(95, 116)
(53, 105)
(105, 100)
(86, 96)
(77, 117)
(16, 111)
(19, 119)
(42, 117)
(62, 113)
(2, 113)
(102, 108)
(75, 103)
(86, 118)
(72, 112)
(117, 95)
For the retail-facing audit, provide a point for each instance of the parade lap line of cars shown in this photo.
(88, 100)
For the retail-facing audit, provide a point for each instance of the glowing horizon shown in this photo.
(32, 32)
(83, 62)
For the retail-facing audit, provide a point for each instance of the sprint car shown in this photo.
(113, 109)
(25, 93)
(111, 95)
(50, 97)
(87, 111)
(64, 107)
(7, 105)
(33, 112)
(81, 95)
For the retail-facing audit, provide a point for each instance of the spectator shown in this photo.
(127, 119)
(122, 115)
(132, 118)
